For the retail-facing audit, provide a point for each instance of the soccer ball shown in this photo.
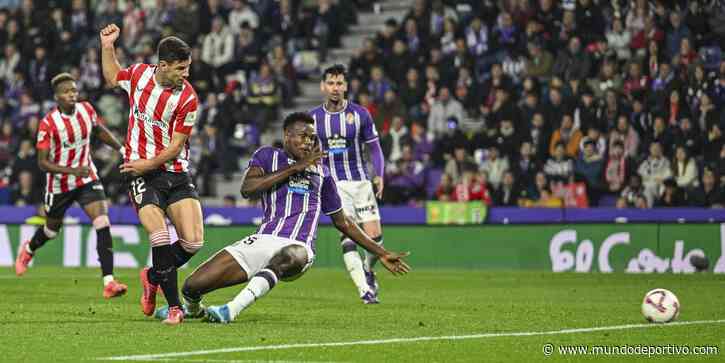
(660, 306)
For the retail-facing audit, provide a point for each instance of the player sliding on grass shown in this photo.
(163, 111)
(295, 187)
(64, 140)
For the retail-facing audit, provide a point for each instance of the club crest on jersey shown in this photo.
(350, 118)
(337, 144)
(299, 184)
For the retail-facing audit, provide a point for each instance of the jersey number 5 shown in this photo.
(249, 240)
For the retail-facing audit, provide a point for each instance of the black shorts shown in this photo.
(161, 188)
(57, 204)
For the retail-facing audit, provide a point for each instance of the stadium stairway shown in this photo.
(369, 23)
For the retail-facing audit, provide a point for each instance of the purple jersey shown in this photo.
(292, 209)
(342, 135)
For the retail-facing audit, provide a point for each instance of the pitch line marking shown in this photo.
(408, 340)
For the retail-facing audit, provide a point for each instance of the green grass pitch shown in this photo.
(59, 315)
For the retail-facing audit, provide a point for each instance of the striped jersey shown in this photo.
(155, 114)
(67, 139)
(292, 209)
(343, 135)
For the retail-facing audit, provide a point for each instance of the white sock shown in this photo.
(258, 286)
(107, 279)
(354, 266)
(27, 249)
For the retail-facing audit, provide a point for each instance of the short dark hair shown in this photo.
(335, 70)
(173, 49)
(295, 117)
(60, 78)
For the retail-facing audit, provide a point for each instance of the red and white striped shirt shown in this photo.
(68, 140)
(156, 113)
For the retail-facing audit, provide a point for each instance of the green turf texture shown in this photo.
(59, 315)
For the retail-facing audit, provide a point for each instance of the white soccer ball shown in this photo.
(660, 306)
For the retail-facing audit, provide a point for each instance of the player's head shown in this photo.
(174, 60)
(300, 137)
(65, 90)
(334, 83)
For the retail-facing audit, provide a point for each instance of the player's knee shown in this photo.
(289, 262)
(101, 222)
(191, 247)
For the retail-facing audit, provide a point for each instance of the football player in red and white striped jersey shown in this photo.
(63, 146)
(162, 116)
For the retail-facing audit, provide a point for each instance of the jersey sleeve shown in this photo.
(331, 203)
(259, 159)
(123, 77)
(367, 127)
(44, 135)
(186, 117)
(92, 114)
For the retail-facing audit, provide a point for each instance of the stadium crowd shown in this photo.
(243, 70)
(550, 103)
(512, 102)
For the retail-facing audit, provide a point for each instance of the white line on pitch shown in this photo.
(408, 340)
(239, 361)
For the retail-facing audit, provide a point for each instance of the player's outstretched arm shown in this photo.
(107, 137)
(109, 63)
(46, 165)
(256, 181)
(393, 261)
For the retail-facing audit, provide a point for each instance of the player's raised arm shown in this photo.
(256, 181)
(109, 63)
(393, 261)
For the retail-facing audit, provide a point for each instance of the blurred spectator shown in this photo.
(634, 190)
(378, 85)
(525, 165)
(590, 166)
(25, 193)
(672, 195)
(445, 189)
(9, 63)
(444, 111)
(405, 180)
(393, 139)
(618, 167)
(495, 166)
(26, 160)
(218, 47)
(654, 171)
(473, 187)
(567, 136)
(619, 39)
(627, 135)
(242, 12)
(559, 167)
(460, 162)
(684, 169)
(572, 62)
(709, 194)
(509, 192)
(540, 63)
(264, 97)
